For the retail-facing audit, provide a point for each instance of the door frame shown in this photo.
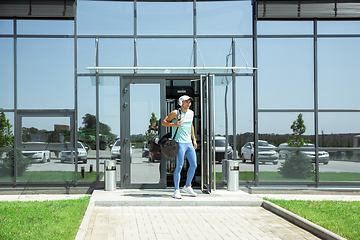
(125, 170)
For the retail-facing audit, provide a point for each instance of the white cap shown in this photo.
(184, 98)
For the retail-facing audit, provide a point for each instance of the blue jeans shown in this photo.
(188, 150)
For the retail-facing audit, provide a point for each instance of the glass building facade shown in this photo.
(252, 66)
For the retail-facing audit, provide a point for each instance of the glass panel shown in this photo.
(165, 18)
(37, 162)
(244, 124)
(144, 100)
(243, 54)
(45, 27)
(338, 27)
(7, 166)
(339, 88)
(287, 73)
(161, 52)
(45, 73)
(6, 26)
(116, 53)
(343, 165)
(45, 129)
(274, 131)
(213, 52)
(225, 17)
(340, 134)
(44, 165)
(7, 73)
(85, 54)
(285, 27)
(110, 120)
(105, 17)
(87, 124)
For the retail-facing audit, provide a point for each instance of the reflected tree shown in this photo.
(297, 165)
(7, 141)
(150, 133)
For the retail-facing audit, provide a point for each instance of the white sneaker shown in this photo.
(189, 190)
(177, 194)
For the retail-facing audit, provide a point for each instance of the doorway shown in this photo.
(142, 98)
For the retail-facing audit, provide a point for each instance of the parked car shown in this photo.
(265, 154)
(323, 156)
(65, 156)
(145, 150)
(221, 150)
(37, 156)
(116, 151)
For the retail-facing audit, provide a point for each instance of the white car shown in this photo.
(116, 151)
(266, 154)
(220, 149)
(37, 156)
(322, 155)
(65, 156)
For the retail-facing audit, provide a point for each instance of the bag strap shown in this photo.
(179, 118)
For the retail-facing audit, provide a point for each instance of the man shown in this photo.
(185, 137)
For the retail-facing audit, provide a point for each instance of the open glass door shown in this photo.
(207, 133)
(140, 99)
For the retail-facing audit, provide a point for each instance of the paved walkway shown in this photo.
(154, 214)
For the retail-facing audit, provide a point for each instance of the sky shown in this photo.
(286, 80)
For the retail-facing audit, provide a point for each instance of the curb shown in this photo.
(85, 222)
(301, 222)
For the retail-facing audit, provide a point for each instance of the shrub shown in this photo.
(296, 165)
(7, 164)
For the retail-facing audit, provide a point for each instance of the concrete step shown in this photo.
(163, 197)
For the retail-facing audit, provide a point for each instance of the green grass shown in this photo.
(275, 176)
(340, 217)
(34, 176)
(42, 220)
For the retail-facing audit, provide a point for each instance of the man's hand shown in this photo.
(195, 144)
(178, 124)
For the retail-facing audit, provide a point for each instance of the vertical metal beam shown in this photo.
(75, 124)
(202, 131)
(234, 98)
(97, 107)
(16, 119)
(195, 34)
(255, 96)
(135, 36)
(316, 107)
(212, 106)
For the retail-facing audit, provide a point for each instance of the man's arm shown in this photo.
(167, 121)
(193, 135)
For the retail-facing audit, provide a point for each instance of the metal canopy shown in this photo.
(308, 9)
(37, 9)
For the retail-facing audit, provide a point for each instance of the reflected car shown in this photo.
(266, 154)
(221, 150)
(116, 151)
(323, 156)
(37, 156)
(154, 156)
(65, 156)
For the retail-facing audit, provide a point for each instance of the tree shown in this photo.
(151, 133)
(7, 141)
(6, 137)
(297, 164)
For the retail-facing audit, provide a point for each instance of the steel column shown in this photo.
(316, 107)
(255, 96)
